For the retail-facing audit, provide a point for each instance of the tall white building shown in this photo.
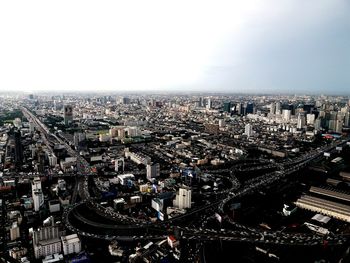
(273, 108)
(248, 130)
(52, 159)
(339, 126)
(14, 231)
(300, 121)
(37, 194)
(209, 104)
(183, 198)
(286, 115)
(71, 244)
(310, 119)
(278, 108)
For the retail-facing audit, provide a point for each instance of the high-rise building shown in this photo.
(317, 124)
(347, 119)
(239, 108)
(46, 241)
(332, 125)
(37, 194)
(71, 244)
(249, 108)
(248, 131)
(14, 231)
(183, 198)
(300, 121)
(153, 171)
(18, 148)
(339, 126)
(308, 108)
(273, 108)
(68, 114)
(124, 100)
(52, 159)
(286, 115)
(278, 107)
(209, 104)
(78, 137)
(288, 107)
(310, 119)
(227, 106)
(201, 102)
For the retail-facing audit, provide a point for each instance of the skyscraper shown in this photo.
(273, 108)
(278, 108)
(68, 114)
(286, 114)
(37, 194)
(250, 108)
(18, 148)
(183, 198)
(153, 171)
(310, 119)
(248, 130)
(227, 106)
(209, 104)
(339, 126)
(300, 121)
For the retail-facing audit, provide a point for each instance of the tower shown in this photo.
(37, 194)
(68, 114)
(18, 147)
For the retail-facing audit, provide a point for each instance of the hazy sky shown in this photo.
(243, 45)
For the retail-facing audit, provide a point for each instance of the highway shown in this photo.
(83, 167)
(242, 234)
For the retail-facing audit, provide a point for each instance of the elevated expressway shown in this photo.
(126, 228)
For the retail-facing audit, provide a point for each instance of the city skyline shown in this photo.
(289, 47)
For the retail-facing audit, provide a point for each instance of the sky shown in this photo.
(272, 46)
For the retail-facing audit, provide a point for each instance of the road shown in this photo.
(242, 234)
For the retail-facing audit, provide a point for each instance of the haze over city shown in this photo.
(222, 46)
